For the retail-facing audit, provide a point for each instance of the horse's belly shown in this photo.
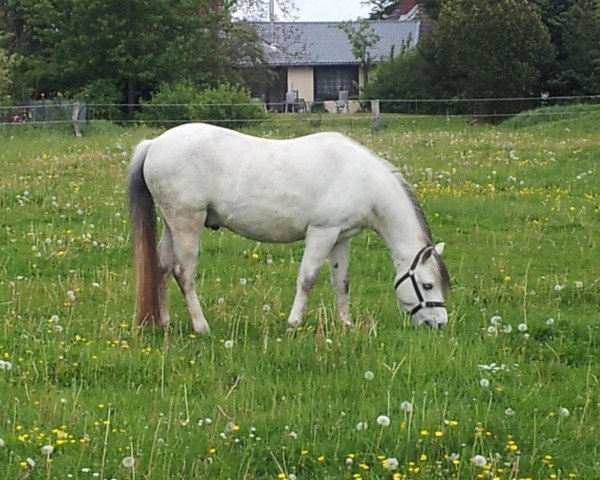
(262, 228)
(272, 232)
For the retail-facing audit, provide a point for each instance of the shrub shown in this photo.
(226, 105)
(102, 98)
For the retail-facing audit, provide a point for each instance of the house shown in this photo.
(315, 59)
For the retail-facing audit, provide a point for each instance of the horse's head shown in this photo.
(421, 289)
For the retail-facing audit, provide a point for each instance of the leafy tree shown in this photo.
(483, 49)
(7, 64)
(361, 40)
(110, 50)
(580, 71)
(398, 78)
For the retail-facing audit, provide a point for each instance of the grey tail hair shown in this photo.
(145, 252)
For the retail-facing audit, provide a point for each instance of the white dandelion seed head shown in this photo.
(522, 327)
(266, 308)
(2, 444)
(558, 287)
(128, 462)
(492, 330)
(506, 329)
(228, 344)
(390, 463)
(362, 426)
(5, 365)
(484, 382)
(47, 450)
(71, 295)
(383, 420)
(564, 412)
(406, 406)
(453, 456)
(479, 460)
(243, 281)
(578, 284)
(221, 301)
(496, 319)
(369, 375)
(292, 476)
(349, 461)
(229, 427)
(54, 319)
(509, 412)
(550, 322)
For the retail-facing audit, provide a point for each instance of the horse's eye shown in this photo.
(427, 286)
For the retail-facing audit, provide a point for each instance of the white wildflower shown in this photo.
(47, 450)
(564, 412)
(362, 426)
(383, 420)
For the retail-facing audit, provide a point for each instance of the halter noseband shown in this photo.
(411, 274)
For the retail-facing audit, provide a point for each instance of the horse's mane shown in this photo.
(442, 271)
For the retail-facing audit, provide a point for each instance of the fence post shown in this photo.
(75, 118)
(376, 121)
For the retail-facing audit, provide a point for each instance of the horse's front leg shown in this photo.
(339, 262)
(318, 244)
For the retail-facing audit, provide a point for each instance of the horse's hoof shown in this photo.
(202, 329)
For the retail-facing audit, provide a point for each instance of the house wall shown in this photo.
(302, 79)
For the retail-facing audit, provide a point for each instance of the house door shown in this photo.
(275, 96)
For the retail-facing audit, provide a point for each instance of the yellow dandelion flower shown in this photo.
(424, 433)
(439, 434)
(363, 466)
(423, 457)
(321, 458)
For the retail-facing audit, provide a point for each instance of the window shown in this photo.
(330, 80)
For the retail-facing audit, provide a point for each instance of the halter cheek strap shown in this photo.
(411, 275)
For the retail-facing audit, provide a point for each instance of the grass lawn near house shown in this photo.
(509, 390)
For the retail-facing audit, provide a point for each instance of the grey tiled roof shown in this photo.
(324, 43)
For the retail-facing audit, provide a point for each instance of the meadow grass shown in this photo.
(509, 390)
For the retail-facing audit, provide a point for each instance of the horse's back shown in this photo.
(262, 188)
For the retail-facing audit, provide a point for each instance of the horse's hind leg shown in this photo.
(186, 229)
(318, 244)
(166, 256)
(339, 262)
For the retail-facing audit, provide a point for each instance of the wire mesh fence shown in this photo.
(315, 113)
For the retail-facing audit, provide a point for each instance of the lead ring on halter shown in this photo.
(411, 274)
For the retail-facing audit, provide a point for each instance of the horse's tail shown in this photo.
(145, 253)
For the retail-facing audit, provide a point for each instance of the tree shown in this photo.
(114, 51)
(483, 49)
(580, 72)
(361, 40)
(7, 64)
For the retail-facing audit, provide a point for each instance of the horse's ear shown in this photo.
(439, 248)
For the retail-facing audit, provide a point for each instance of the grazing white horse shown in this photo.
(323, 188)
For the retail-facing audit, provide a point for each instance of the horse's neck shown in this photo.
(401, 230)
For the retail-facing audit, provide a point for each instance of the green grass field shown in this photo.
(509, 390)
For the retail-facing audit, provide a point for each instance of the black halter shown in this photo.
(411, 274)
